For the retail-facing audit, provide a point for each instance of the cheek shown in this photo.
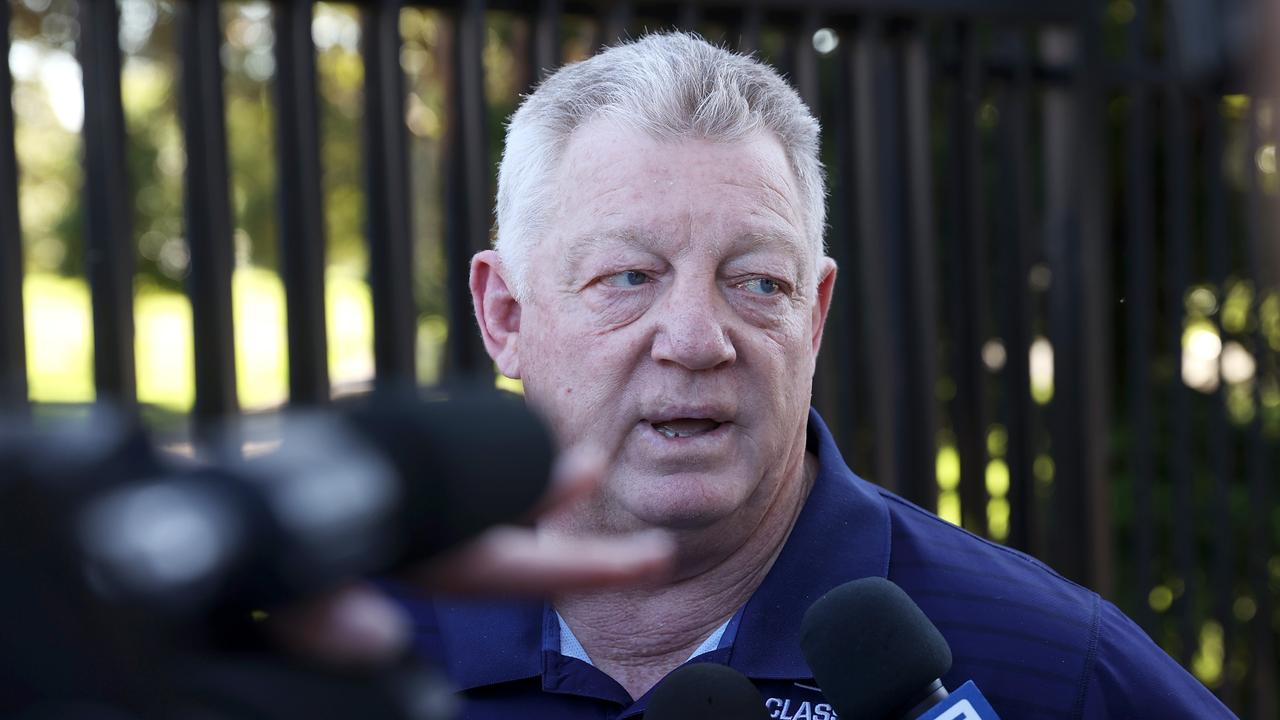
(783, 361)
(783, 338)
(577, 375)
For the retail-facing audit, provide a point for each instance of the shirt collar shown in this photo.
(571, 647)
(841, 534)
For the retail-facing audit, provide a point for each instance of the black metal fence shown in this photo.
(1058, 321)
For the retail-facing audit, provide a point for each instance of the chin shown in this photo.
(683, 502)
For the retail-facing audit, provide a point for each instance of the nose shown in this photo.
(692, 330)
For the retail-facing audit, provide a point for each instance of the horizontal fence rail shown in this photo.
(1058, 320)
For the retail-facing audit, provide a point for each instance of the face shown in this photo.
(673, 317)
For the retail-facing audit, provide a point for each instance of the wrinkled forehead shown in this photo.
(615, 183)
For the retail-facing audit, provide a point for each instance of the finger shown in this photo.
(519, 562)
(354, 626)
(577, 474)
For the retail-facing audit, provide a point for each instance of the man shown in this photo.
(659, 286)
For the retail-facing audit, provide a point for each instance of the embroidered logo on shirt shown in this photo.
(791, 709)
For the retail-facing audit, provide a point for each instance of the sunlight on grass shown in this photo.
(262, 358)
(349, 324)
(163, 347)
(59, 339)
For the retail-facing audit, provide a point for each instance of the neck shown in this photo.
(637, 636)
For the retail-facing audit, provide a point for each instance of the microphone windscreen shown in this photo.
(706, 690)
(871, 649)
(466, 462)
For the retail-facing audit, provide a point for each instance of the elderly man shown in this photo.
(659, 285)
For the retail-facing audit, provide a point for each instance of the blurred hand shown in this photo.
(358, 626)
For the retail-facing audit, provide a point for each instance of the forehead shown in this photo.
(616, 182)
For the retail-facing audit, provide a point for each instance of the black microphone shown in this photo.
(873, 652)
(706, 690)
(465, 462)
(390, 481)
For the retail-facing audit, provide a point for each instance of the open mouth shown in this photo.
(685, 427)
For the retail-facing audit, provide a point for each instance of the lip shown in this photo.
(667, 413)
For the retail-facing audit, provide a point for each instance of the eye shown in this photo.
(626, 278)
(762, 286)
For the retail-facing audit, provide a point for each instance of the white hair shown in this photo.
(668, 85)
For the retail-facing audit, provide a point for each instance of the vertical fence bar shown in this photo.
(1015, 314)
(108, 241)
(1140, 206)
(1080, 303)
(13, 354)
(1062, 532)
(866, 226)
(1257, 471)
(968, 259)
(1091, 383)
(873, 227)
(467, 196)
(896, 305)
(839, 359)
(546, 37)
(831, 367)
(919, 482)
(208, 211)
(1177, 207)
(302, 237)
(1220, 444)
(387, 198)
(1089, 375)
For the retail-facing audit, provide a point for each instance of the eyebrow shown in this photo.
(771, 239)
(583, 245)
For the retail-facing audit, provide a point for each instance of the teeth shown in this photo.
(685, 428)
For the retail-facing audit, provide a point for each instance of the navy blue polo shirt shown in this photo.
(1036, 644)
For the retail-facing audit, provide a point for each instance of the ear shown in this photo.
(826, 285)
(497, 311)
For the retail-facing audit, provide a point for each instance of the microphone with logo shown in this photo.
(877, 656)
(706, 690)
